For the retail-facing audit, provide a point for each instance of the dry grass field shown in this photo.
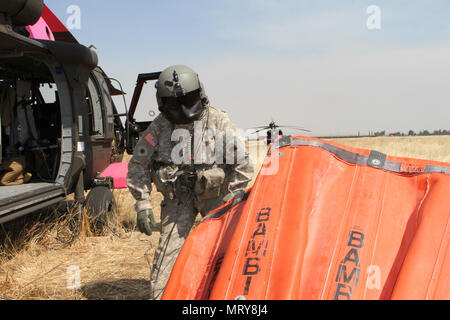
(430, 148)
(37, 261)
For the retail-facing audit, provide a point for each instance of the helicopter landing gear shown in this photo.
(102, 210)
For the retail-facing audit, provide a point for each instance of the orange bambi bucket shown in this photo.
(333, 222)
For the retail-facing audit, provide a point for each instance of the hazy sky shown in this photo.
(314, 64)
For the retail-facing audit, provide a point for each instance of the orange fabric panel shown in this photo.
(325, 228)
(426, 270)
(200, 257)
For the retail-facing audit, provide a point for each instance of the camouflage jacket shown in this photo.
(167, 151)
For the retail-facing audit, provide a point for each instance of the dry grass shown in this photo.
(435, 148)
(36, 264)
(37, 251)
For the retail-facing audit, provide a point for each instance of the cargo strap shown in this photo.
(375, 159)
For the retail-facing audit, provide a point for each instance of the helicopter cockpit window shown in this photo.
(96, 105)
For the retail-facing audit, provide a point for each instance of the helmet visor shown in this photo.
(188, 100)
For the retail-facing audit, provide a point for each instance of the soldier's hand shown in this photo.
(238, 197)
(146, 221)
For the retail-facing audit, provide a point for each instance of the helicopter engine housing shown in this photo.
(22, 12)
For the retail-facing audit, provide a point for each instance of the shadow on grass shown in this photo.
(124, 289)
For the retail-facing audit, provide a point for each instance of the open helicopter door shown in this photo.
(133, 127)
(23, 58)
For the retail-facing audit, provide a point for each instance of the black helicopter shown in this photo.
(57, 115)
(275, 130)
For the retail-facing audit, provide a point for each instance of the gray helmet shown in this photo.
(180, 95)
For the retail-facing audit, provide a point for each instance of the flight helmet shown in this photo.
(180, 95)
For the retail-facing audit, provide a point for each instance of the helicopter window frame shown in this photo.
(108, 111)
(97, 107)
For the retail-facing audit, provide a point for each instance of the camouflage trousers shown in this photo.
(177, 220)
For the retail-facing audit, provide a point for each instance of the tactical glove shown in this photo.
(146, 221)
(238, 197)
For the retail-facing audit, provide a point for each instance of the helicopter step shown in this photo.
(16, 201)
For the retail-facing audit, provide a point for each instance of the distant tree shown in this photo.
(441, 132)
(411, 133)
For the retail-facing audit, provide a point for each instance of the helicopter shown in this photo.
(272, 129)
(57, 116)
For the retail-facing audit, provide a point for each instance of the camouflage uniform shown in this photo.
(199, 184)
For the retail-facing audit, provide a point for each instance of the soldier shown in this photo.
(186, 153)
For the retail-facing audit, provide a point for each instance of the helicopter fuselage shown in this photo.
(60, 119)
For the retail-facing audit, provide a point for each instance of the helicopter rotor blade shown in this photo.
(274, 126)
(264, 129)
(301, 129)
(295, 128)
(268, 127)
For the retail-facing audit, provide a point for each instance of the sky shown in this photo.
(333, 67)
